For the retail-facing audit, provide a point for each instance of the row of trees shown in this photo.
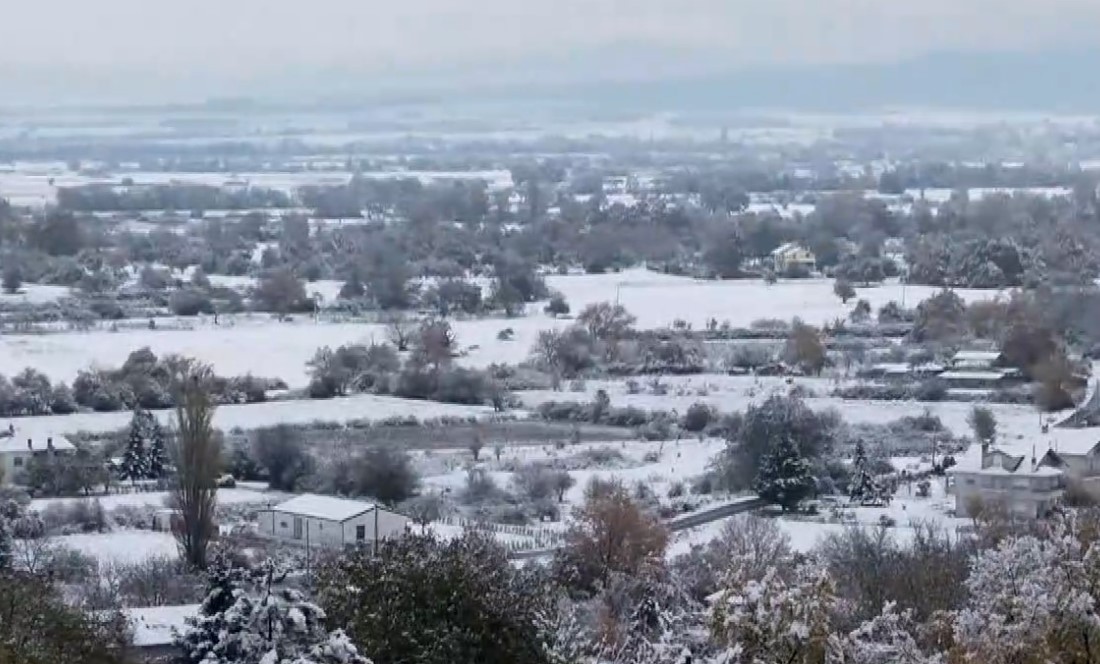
(143, 381)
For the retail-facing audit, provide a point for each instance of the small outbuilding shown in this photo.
(325, 521)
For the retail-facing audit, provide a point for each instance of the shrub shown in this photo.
(190, 302)
(932, 389)
(698, 416)
(280, 451)
(557, 305)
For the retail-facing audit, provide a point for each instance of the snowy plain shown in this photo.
(364, 407)
(265, 347)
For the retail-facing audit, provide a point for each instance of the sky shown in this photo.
(209, 41)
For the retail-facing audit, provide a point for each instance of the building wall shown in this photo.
(330, 534)
(9, 461)
(1028, 497)
(389, 525)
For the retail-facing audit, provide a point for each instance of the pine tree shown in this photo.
(265, 624)
(784, 477)
(157, 452)
(10, 513)
(225, 582)
(135, 459)
(863, 485)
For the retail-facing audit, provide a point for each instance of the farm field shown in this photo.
(264, 347)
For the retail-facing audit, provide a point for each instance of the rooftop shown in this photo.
(13, 440)
(974, 375)
(977, 356)
(786, 247)
(328, 508)
(1023, 470)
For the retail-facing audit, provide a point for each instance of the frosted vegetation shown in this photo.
(668, 403)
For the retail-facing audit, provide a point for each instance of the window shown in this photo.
(18, 462)
(360, 533)
(282, 524)
(320, 526)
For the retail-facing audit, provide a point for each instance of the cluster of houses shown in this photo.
(968, 370)
(1029, 486)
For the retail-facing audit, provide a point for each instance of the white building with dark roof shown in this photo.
(17, 449)
(1022, 487)
(325, 521)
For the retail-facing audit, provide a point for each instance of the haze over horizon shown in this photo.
(136, 49)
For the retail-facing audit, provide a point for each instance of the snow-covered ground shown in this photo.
(669, 462)
(258, 346)
(906, 511)
(1018, 426)
(35, 294)
(264, 347)
(124, 546)
(159, 499)
(159, 625)
(251, 416)
(658, 299)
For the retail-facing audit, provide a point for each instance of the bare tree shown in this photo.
(198, 461)
(610, 534)
(476, 445)
(400, 331)
(984, 424)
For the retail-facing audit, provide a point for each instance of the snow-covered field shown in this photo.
(159, 499)
(264, 347)
(1018, 426)
(658, 299)
(251, 416)
(261, 346)
(670, 462)
(124, 546)
(906, 511)
(35, 294)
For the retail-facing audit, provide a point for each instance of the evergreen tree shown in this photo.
(784, 478)
(225, 581)
(157, 451)
(247, 618)
(135, 459)
(422, 600)
(863, 485)
(10, 512)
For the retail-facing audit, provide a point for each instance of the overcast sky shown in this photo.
(246, 38)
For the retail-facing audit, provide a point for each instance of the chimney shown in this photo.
(11, 429)
(30, 444)
(49, 444)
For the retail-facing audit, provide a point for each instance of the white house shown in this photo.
(793, 255)
(1024, 488)
(311, 520)
(17, 449)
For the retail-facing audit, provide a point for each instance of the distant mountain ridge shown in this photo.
(630, 77)
(1065, 81)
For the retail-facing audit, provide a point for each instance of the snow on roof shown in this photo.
(972, 375)
(1024, 470)
(15, 440)
(785, 248)
(1072, 442)
(156, 626)
(977, 356)
(323, 507)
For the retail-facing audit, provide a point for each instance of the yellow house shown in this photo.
(793, 255)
